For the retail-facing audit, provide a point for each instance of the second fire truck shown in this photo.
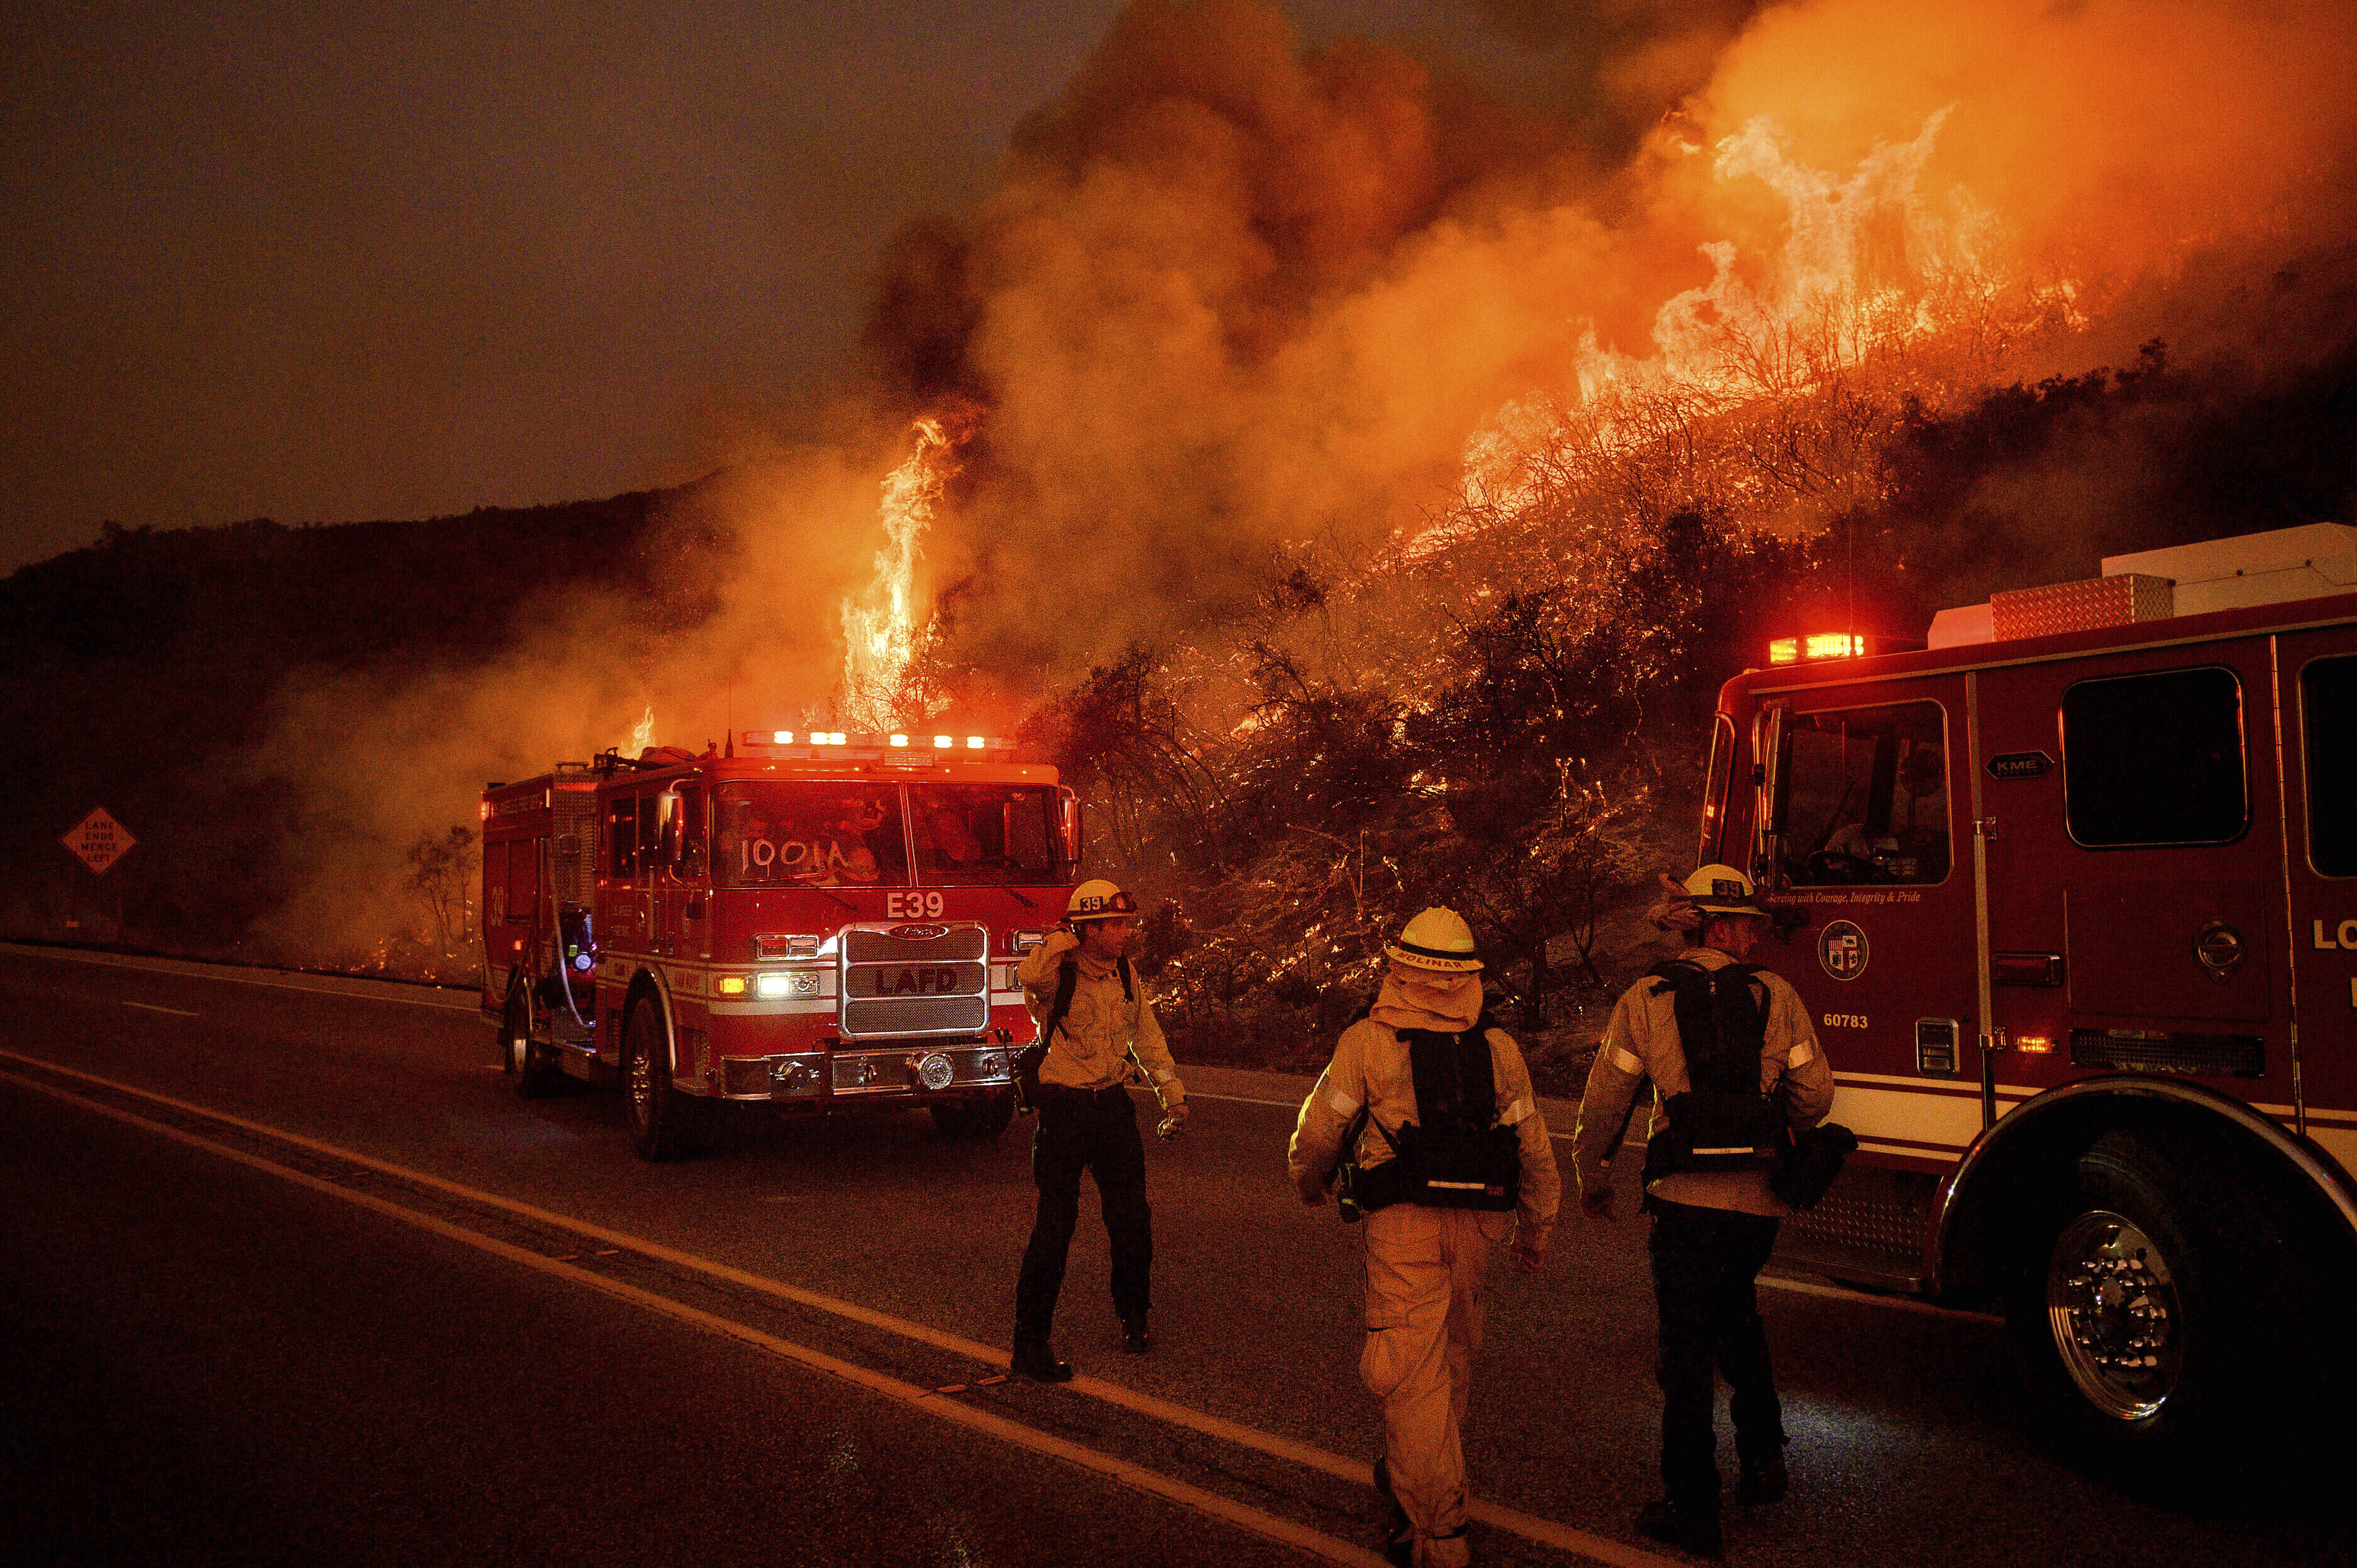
(2074, 900)
(817, 922)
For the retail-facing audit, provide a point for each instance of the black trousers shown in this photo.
(1096, 1132)
(1705, 1262)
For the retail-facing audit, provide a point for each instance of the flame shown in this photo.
(885, 626)
(643, 735)
(1870, 265)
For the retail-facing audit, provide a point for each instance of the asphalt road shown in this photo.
(288, 1274)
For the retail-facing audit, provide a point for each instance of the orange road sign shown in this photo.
(99, 839)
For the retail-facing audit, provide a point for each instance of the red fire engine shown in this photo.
(820, 922)
(2073, 898)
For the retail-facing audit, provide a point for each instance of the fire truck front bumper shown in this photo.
(876, 1072)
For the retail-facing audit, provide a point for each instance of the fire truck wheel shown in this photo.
(665, 1122)
(2139, 1298)
(529, 1062)
(984, 1118)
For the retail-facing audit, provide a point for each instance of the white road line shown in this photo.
(1138, 1478)
(1530, 1525)
(151, 1007)
(209, 972)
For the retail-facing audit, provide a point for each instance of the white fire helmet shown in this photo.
(1100, 900)
(1438, 939)
(1723, 890)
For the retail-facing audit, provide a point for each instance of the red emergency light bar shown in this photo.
(1817, 645)
(762, 740)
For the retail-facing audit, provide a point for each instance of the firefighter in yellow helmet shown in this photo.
(1731, 1055)
(1430, 1103)
(1100, 1033)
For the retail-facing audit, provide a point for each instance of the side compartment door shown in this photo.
(2317, 671)
(2136, 881)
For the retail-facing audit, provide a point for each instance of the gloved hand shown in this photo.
(1526, 1260)
(1060, 940)
(1597, 1203)
(1676, 911)
(1174, 1121)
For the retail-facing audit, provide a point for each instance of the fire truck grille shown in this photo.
(952, 944)
(2206, 1055)
(864, 1019)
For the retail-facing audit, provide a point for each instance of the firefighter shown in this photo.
(1714, 1218)
(1426, 1262)
(1100, 1033)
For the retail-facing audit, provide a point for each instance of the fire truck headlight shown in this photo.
(774, 986)
(584, 962)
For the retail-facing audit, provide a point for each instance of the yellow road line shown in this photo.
(1138, 1478)
(1530, 1527)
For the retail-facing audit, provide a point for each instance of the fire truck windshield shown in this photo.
(984, 834)
(818, 835)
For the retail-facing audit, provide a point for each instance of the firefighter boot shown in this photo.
(1690, 1532)
(1763, 1482)
(1035, 1360)
(1136, 1334)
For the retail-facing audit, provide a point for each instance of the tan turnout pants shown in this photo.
(1424, 1272)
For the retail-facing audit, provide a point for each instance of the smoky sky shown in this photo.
(376, 261)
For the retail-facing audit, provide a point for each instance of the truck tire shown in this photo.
(665, 1122)
(530, 1063)
(984, 1117)
(2136, 1313)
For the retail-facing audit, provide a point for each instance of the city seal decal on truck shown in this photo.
(1841, 949)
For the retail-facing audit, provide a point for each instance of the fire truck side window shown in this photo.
(622, 839)
(984, 834)
(813, 834)
(2155, 760)
(691, 867)
(2328, 714)
(1866, 796)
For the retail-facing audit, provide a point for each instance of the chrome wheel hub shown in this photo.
(2112, 1307)
(642, 1085)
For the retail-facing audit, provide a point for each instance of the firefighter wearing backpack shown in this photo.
(1429, 1103)
(1734, 1063)
(1100, 1034)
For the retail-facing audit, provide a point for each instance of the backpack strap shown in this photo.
(1068, 979)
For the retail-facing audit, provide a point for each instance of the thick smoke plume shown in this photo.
(1230, 294)
(1236, 304)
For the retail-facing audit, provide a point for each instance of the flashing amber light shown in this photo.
(974, 743)
(943, 742)
(2035, 1044)
(899, 740)
(1784, 650)
(732, 985)
(484, 809)
(781, 738)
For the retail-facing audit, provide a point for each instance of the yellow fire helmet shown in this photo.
(1438, 939)
(1723, 890)
(1100, 900)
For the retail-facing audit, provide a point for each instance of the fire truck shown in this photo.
(2071, 893)
(820, 922)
